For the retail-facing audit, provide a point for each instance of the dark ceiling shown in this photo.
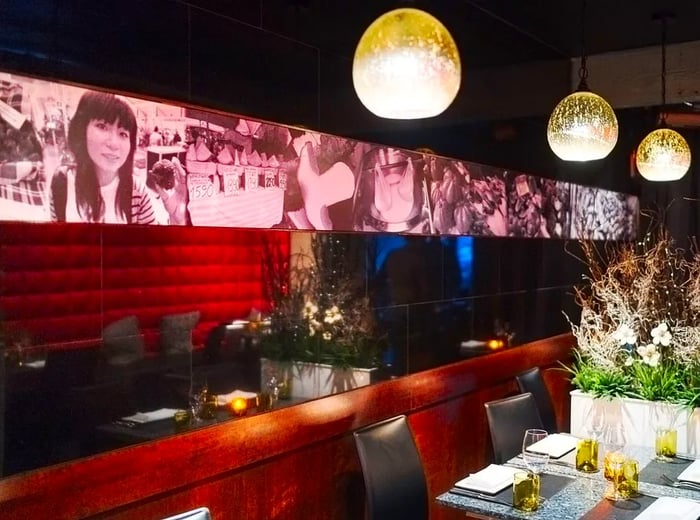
(493, 32)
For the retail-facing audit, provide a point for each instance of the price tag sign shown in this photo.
(251, 178)
(200, 186)
(232, 181)
(270, 176)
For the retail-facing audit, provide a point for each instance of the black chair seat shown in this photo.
(532, 381)
(392, 470)
(508, 419)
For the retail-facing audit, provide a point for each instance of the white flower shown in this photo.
(661, 335)
(310, 309)
(625, 335)
(649, 354)
(333, 315)
(629, 361)
(327, 336)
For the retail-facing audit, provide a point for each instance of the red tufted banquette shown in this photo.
(62, 283)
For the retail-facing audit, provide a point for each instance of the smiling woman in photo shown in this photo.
(100, 186)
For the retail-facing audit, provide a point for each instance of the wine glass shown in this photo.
(197, 397)
(595, 423)
(535, 461)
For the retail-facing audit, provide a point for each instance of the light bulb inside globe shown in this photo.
(406, 66)
(663, 155)
(582, 127)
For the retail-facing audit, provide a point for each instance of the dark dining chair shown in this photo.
(532, 381)
(508, 419)
(395, 483)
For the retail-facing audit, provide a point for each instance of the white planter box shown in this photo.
(311, 380)
(638, 419)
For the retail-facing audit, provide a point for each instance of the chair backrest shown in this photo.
(395, 483)
(531, 381)
(508, 419)
(201, 513)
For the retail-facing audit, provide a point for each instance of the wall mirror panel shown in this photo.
(109, 330)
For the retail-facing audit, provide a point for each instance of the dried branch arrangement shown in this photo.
(639, 332)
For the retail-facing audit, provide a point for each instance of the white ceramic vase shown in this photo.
(312, 380)
(639, 419)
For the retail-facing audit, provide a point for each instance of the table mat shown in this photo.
(651, 473)
(550, 485)
(620, 509)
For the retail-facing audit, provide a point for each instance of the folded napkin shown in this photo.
(691, 473)
(555, 445)
(155, 415)
(224, 399)
(668, 508)
(492, 479)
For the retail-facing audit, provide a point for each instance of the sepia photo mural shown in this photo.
(72, 154)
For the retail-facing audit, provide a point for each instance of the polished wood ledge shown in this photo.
(297, 462)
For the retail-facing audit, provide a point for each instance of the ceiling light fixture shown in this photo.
(663, 155)
(406, 66)
(583, 126)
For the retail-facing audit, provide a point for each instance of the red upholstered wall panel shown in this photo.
(64, 283)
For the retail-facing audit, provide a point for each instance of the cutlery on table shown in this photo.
(480, 496)
(680, 483)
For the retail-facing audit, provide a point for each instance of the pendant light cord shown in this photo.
(583, 71)
(663, 70)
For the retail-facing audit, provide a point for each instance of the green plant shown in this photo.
(599, 381)
(638, 334)
(657, 383)
(319, 312)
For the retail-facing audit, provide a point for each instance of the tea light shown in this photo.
(239, 406)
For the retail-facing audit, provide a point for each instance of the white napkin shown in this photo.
(224, 399)
(691, 473)
(492, 479)
(154, 415)
(555, 445)
(668, 508)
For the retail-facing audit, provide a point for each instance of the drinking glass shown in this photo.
(587, 455)
(666, 435)
(536, 462)
(198, 397)
(629, 486)
(526, 491)
(615, 475)
(614, 440)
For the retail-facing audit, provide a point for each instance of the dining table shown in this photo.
(578, 495)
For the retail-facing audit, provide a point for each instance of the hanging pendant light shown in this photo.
(583, 126)
(406, 66)
(663, 155)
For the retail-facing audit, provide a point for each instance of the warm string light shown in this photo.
(406, 66)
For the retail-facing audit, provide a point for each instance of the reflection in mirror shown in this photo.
(114, 335)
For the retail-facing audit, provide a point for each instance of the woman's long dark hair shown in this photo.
(113, 110)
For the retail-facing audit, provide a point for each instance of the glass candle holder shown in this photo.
(526, 491)
(587, 455)
(629, 484)
(181, 419)
(666, 444)
(239, 406)
(614, 474)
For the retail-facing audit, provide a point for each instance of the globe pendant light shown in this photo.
(663, 155)
(406, 66)
(583, 126)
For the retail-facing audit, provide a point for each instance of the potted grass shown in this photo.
(637, 357)
(321, 335)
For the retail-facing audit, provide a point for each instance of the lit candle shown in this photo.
(239, 406)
